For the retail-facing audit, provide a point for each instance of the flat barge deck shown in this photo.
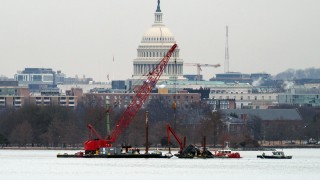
(113, 156)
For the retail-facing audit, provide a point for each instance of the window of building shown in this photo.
(20, 78)
(47, 77)
(37, 78)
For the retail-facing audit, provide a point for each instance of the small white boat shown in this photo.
(275, 155)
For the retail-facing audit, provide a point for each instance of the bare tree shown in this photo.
(22, 134)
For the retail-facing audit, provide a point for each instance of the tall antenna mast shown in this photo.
(226, 61)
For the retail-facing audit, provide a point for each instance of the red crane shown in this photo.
(143, 93)
(169, 129)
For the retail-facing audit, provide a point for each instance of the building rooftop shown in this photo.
(204, 83)
(38, 71)
(267, 114)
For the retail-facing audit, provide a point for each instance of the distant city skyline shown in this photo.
(99, 38)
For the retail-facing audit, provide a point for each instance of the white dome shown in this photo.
(158, 34)
(158, 31)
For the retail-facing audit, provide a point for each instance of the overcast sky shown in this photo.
(81, 36)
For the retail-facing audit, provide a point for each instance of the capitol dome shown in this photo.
(155, 43)
(158, 33)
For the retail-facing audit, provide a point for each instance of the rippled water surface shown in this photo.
(42, 164)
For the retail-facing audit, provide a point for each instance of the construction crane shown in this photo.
(198, 65)
(182, 145)
(92, 145)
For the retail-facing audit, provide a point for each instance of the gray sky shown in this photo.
(82, 36)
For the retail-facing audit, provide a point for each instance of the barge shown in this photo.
(115, 152)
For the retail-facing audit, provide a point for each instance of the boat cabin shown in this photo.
(278, 153)
(224, 151)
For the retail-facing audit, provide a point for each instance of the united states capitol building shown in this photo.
(154, 45)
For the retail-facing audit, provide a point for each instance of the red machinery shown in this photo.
(169, 129)
(143, 93)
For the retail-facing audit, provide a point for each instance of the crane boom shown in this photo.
(134, 106)
(141, 96)
(169, 129)
(92, 130)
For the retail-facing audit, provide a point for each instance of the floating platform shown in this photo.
(116, 152)
(113, 156)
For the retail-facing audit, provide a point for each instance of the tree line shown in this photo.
(57, 126)
(47, 126)
(291, 74)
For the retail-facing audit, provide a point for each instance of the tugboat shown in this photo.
(226, 153)
(275, 155)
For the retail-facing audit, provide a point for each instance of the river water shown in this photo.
(43, 164)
